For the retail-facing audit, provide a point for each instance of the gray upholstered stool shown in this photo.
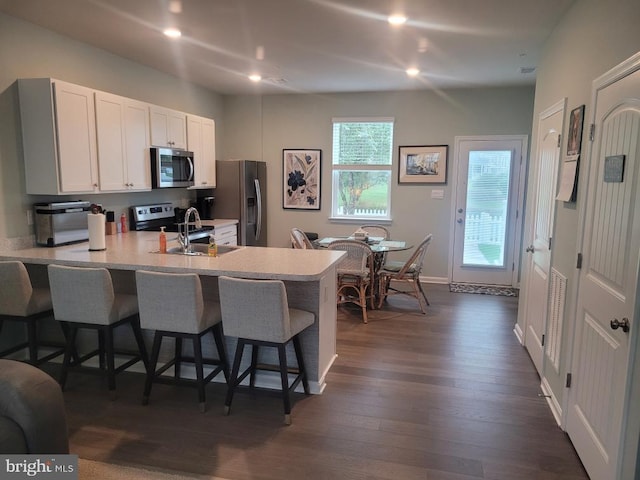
(186, 315)
(257, 312)
(32, 414)
(19, 301)
(84, 298)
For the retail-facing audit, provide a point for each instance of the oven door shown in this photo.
(171, 168)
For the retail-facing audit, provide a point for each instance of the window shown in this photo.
(362, 154)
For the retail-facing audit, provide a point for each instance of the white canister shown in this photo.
(97, 239)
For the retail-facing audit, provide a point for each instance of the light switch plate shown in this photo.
(438, 194)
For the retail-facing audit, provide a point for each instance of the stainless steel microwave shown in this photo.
(171, 167)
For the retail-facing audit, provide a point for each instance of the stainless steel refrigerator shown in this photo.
(241, 193)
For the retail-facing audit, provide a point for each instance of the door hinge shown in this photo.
(513, 267)
(579, 262)
(549, 243)
(542, 341)
(592, 131)
(568, 382)
(559, 140)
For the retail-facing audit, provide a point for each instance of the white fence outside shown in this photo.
(484, 228)
(363, 212)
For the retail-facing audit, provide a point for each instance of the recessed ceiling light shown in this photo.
(254, 77)
(259, 52)
(412, 72)
(175, 6)
(172, 32)
(397, 19)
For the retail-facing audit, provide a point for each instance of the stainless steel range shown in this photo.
(152, 217)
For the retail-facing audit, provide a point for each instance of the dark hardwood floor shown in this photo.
(446, 396)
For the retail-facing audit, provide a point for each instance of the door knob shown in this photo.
(623, 324)
(459, 220)
(530, 249)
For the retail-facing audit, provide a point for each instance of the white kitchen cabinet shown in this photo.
(58, 136)
(201, 140)
(168, 128)
(122, 126)
(226, 235)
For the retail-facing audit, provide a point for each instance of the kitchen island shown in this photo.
(309, 276)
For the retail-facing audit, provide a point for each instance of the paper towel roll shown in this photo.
(97, 239)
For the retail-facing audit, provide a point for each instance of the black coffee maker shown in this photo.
(205, 207)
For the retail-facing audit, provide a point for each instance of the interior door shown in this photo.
(545, 169)
(486, 210)
(608, 278)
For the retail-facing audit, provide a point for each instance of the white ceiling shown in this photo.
(314, 45)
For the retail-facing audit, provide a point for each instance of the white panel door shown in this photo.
(545, 169)
(486, 209)
(608, 279)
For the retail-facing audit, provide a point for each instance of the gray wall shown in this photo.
(259, 127)
(30, 51)
(593, 37)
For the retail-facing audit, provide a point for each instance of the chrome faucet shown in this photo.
(183, 238)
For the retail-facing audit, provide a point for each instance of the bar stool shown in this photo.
(19, 301)
(84, 298)
(188, 316)
(257, 312)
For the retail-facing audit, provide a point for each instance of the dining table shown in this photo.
(379, 246)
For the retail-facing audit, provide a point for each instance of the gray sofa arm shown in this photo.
(32, 412)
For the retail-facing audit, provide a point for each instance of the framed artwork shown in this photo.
(575, 131)
(423, 164)
(301, 181)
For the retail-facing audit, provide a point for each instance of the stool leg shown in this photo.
(32, 340)
(303, 371)
(178, 358)
(254, 363)
(282, 355)
(197, 358)
(111, 366)
(137, 332)
(222, 349)
(101, 349)
(234, 376)
(71, 347)
(151, 371)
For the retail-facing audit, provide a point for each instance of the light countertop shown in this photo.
(133, 251)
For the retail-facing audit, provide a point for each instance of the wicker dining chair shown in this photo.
(407, 272)
(376, 231)
(300, 240)
(355, 274)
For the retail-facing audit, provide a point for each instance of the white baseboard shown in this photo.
(519, 334)
(552, 401)
(439, 280)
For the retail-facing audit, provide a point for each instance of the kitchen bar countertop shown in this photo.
(133, 251)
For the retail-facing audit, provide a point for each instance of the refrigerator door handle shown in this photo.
(259, 209)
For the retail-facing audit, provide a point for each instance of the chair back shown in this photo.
(83, 295)
(377, 231)
(16, 290)
(184, 311)
(255, 309)
(300, 240)
(359, 257)
(416, 260)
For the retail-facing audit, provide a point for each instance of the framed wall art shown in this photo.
(575, 131)
(423, 164)
(301, 181)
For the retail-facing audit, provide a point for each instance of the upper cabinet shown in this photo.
(168, 128)
(59, 137)
(201, 140)
(123, 143)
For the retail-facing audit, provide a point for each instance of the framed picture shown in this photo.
(574, 140)
(301, 182)
(423, 164)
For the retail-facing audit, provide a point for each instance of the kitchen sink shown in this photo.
(202, 249)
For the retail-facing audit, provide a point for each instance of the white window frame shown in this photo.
(335, 217)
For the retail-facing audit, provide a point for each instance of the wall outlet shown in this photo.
(29, 217)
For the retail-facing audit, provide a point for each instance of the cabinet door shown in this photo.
(76, 135)
(136, 121)
(201, 141)
(110, 129)
(168, 128)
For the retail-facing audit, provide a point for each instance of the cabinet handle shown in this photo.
(95, 185)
